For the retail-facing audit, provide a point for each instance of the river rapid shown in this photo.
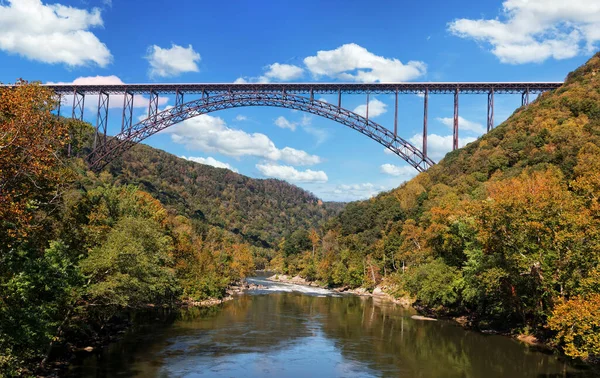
(288, 330)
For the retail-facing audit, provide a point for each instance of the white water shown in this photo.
(273, 286)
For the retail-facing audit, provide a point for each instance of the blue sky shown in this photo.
(348, 41)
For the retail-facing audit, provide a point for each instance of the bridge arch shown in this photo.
(113, 147)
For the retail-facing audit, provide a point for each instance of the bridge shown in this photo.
(210, 97)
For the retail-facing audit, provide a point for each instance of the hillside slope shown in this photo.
(262, 211)
(505, 230)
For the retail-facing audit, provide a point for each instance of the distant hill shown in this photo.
(505, 231)
(261, 211)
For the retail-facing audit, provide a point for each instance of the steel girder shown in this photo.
(156, 122)
(315, 88)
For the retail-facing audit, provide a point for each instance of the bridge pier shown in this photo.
(396, 116)
(127, 118)
(490, 110)
(153, 105)
(101, 118)
(455, 129)
(78, 102)
(425, 111)
(525, 98)
(178, 98)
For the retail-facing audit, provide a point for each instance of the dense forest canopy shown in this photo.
(77, 247)
(505, 230)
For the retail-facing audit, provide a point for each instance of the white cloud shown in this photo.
(114, 101)
(173, 61)
(52, 33)
(463, 124)
(285, 172)
(210, 161)
(355, 63)
(283, 72)
(240, 117)
(282, 122)
(406, 172)
(211, 134)
(355, 192)
(536, 30)
(376, 108)
(273, 72)
(437, 145)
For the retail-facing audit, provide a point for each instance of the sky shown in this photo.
(118, 41)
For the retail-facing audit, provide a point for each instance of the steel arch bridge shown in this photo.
(219, 96)
(108, 149)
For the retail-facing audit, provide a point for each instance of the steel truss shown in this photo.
(315, 88)
(162, 120)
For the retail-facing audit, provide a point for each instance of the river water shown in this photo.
(297, 331)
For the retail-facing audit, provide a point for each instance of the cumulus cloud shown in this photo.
(283, 72)
(376, 108)
(463, 124)
(168, 62)
(355, 63)
(53, 33)
(535, 30)
(210, 161)
(288, 173)
(274, 72)
(211, 134)
(284, 123)
(115, 101)
(240, 118)
(406, 172)
(438, 145)
(354, 192)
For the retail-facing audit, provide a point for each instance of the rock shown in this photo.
(378, 291)
(419, 317)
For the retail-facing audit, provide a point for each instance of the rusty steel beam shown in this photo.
(318, 88)
(78, 105)
(127, 116)
(490, 110)
(425, 111)
(101, 119)
(159, 121)
(396, 115)
(455, 128)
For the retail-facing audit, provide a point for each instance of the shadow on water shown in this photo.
(298, 335)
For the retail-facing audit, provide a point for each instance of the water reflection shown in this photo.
(298, 335)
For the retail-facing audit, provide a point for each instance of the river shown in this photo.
(297, 331)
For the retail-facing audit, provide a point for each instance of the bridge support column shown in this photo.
(127, 118)
(455, 129)
(312, 95)
(490, 110)
(101, 118)
(78, 103)
(153, 105)
(58, 105)
(178, 98)
(367, 112)
(525, 98)
(339, 98)
(396, 116)
(425, 111)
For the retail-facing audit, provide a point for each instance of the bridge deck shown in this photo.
(315, 88)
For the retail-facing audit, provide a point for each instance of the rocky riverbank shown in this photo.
(379, 292)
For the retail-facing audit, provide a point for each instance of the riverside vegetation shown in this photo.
(505, 231)
(78, 249)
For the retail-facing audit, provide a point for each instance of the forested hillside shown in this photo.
(505, 230)
(78, 249)
(261, 211)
